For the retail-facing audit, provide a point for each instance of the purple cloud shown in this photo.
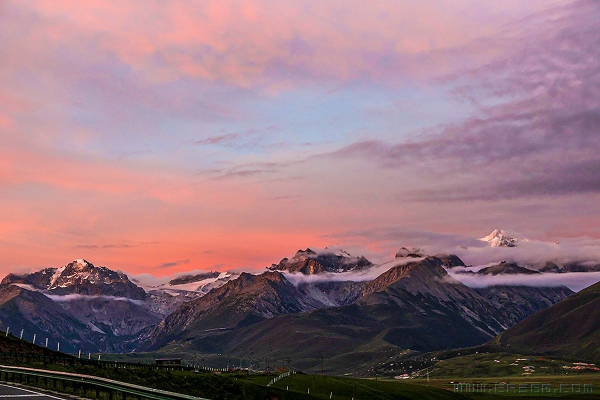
(541, 135)
(173, 263)
(251, 137)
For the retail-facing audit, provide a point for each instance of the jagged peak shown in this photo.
(308, 251)
(413, 252)
(501, 238)
(315, 261)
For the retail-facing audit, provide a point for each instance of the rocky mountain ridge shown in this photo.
(81, 277)
(310, 262)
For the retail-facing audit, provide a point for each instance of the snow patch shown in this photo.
(95, 328)
(57, 273)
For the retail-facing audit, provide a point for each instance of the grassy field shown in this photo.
(509, 365)
(358, 389)
(325, 387)
(509, 376)
(479, 368)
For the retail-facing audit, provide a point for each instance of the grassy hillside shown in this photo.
(229, 385)
(11, 344)
(570, 328)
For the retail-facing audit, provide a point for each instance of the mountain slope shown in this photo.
(568, 328)
(523, 301)
(167, 297)
(35, 313)
(240, 302)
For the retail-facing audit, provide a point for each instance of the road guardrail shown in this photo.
(87, 383)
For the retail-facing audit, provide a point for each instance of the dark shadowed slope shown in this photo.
(568, 328)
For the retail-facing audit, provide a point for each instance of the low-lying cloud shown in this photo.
(77, 297)
(575, 281)
(365, 275)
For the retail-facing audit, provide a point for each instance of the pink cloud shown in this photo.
(269, 43)
(68, 201)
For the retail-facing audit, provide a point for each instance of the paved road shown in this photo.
(11, 392)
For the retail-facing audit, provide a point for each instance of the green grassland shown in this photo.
(508, 365)
(323, 386)
(474, 368)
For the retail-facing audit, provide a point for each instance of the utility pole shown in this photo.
(322, 374)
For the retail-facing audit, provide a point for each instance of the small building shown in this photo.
(170, 362)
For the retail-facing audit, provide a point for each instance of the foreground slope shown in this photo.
(568, 328)
(34, 313)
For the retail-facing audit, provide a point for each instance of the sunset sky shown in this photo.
(159, 137)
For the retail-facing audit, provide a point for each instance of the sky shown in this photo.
(159, 137)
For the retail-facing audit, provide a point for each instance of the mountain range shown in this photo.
(319, 304)
(413, 306)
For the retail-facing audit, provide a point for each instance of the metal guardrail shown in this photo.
(71, 360)
(86, 383)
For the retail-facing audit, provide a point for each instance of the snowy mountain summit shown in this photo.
(80, 277)
(501, 238)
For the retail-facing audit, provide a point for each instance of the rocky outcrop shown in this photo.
(309, 262)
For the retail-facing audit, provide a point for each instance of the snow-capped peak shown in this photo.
(501, 238)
